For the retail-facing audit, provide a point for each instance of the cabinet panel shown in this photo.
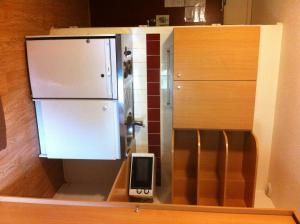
(184, 166)
(70, 68)
(78, 129)
(214, 105)
(216, 53)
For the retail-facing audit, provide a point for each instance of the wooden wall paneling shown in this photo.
(185, 167)
(216, 53)
(23, 173)
(214, 105)
(3, 84)
(3, 141)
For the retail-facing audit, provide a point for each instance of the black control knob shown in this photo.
(139, 191)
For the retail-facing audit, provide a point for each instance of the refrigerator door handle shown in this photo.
(108, 68)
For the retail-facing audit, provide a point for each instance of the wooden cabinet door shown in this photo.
(214, 105)
(216, 53)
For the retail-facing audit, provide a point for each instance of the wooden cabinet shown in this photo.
(214, 167)
(214, 104)
(216, 53)
(215, 71)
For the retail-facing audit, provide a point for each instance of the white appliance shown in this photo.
(141, 184)
(82, 95)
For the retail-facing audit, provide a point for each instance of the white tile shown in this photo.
(139, 41)
(139, 69)
(140, 110)
(140, 97)
(140, 82)
(139, 55)
(140, 92)
(141, 136)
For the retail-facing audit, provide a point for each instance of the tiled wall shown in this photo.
(160, 75)
(140, 89)
(153, 98)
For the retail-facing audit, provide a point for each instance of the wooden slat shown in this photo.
(124, 213)
(119, 190)
(223, 168)
(198, 166)
(23, 173)
(250, 168)
(214, 105)
(216, 53)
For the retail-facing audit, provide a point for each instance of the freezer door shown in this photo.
(71, 68)
(78, 129)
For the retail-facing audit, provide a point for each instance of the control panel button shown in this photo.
(146, 191)
(139, 191)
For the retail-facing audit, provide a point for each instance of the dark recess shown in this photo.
(113, 13)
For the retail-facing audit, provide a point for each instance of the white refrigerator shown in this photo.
(74, 86)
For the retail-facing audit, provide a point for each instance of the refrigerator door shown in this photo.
(71, 68)
(78, 129)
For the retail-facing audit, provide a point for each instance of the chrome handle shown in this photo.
(139, 123)
(168, 78)
(178, 87)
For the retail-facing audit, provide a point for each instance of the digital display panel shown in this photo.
(141, 176)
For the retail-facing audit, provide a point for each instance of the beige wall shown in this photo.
(22, 172)
(285, 158)
(237, 12)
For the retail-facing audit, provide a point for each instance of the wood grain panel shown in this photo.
(22, 172)
(213, 168)
(214, 105)
(124, 213)
(185, 163)
(242, 162)
(250, 168)
(216, 53)
(119, 190)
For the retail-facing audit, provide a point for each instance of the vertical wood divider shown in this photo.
(250, 168)
(198, 166)
(172, 164)
(223, 168)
